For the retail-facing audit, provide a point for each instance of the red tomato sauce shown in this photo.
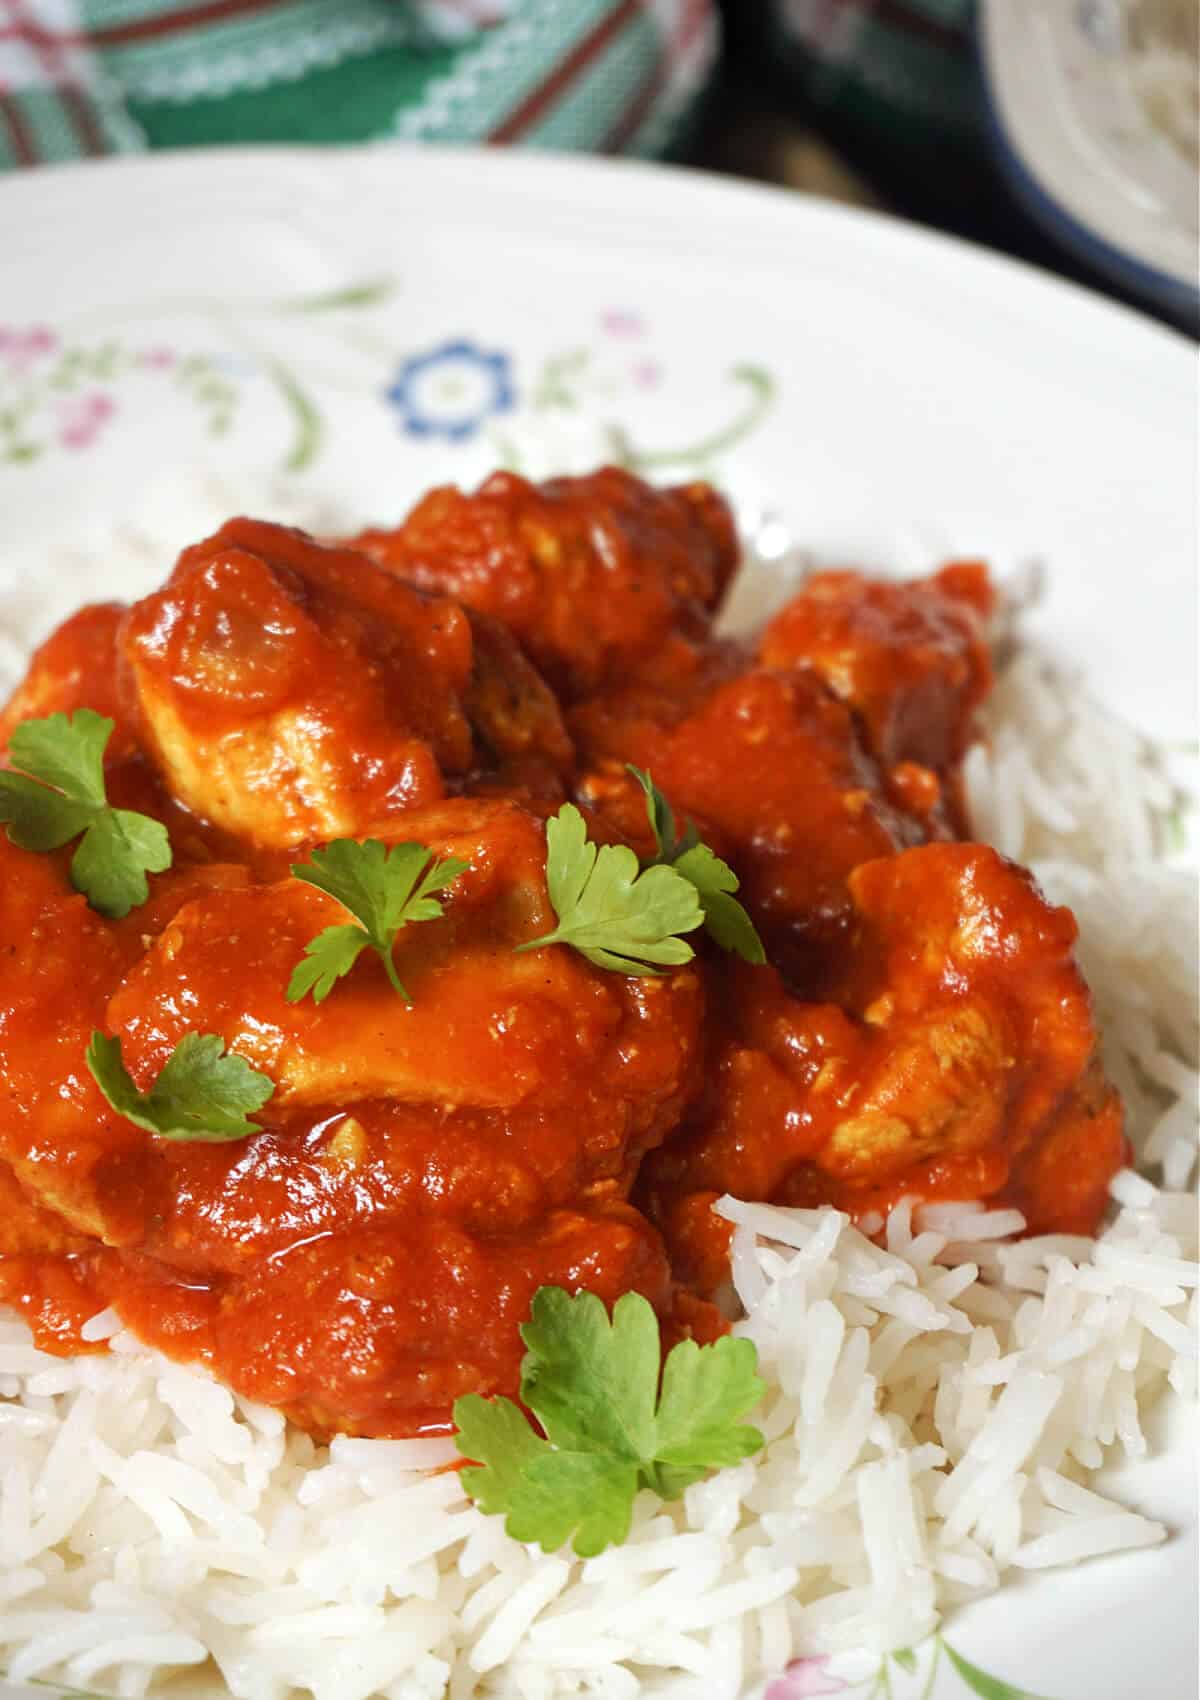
(368, 1255)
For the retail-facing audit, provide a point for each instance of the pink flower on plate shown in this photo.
(157, 358)
(647, 374)
(622, 321)
(20, 347)
(805, 1679)
(81, 417)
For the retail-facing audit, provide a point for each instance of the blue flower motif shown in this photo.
(450, 391)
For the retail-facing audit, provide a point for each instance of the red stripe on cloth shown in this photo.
(189, 17)
(19, 134)
(82, 113)
(22, 27)
(636, 112)
(694, 14)
(137, 29)
(523, 117)
(39, 37)
(76, 101)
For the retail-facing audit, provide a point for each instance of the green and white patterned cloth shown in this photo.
(80, 78)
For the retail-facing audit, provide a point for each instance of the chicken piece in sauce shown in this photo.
(911, 659)
(830, 741)
(774, 770)
(593, 575)
(516, 1094)
(955, 1058)
(421, 1169)
(291, 692)
(76, 667)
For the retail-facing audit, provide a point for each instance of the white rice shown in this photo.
(935, 1410)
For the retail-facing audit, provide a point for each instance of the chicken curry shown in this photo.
(365, 1252)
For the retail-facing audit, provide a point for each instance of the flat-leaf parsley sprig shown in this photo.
(57, 793)
(202, 1092)
(619, 917)
(715, 881)
(384, 890)
(606, 1427)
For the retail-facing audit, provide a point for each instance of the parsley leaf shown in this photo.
(607, 1429)
(66, 751)
(662, 820)
(203, 1092)
(326, 958)
(616, 916)
(724, 918)
(59, 793)
(384, 890)
(113, 856)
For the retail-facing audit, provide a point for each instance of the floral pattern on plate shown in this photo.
(904, 1675)
(450, 391)
(62, 390)
(908, 1674)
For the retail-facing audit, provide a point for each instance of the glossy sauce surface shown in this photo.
(528, 1119)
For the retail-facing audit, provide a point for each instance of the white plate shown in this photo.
(1081, 149)
(288, 327)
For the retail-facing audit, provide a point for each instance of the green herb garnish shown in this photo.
(620, 918)
(715, 881)
(58, 793)
(605, 1428)
(203, 1092)
(384, 890)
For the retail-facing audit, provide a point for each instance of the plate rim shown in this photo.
(917, 244)
(913, 242)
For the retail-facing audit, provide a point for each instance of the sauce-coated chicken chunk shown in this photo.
(594, 575)
(486, 1027)
(290, 692)
(76, 667)
(772, 767)
(515, 1093)
(439, 1136)
(956, 1058)
(377, 1330)
(911, 659)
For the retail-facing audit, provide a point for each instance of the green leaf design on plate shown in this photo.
(306, 417)
(758, 387)
(555, 385)
(369, 293)
(979, 1682)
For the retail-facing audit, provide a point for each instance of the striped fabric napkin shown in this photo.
(80, 78)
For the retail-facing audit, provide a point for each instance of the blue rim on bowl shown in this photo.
(1026, 173)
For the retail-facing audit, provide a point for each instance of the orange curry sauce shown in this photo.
(529, 1119)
